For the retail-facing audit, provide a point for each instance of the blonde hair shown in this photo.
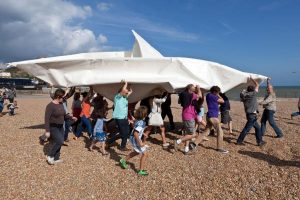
(141, 113)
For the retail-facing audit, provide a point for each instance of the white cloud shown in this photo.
(104, 6)
(102, 39)
(34, 28)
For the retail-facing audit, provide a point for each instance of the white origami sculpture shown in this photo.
(144, 68)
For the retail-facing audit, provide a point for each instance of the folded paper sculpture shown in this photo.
(143, 67)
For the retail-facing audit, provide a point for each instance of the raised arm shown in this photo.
(70, 92)
(255, 83)
(162, 100)
(90, 94)
(220, 100)
(129, 92)
(199, 92)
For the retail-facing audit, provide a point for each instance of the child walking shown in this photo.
(136, 141)
(99, 134)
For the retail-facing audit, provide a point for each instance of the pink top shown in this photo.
(189, 113)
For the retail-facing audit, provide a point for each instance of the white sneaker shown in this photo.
(166, 145)
(58, 161)
(50, 160)
(223, 151)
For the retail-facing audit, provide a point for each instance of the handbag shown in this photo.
(155, 119)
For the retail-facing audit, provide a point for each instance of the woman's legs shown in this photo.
(163, 134)
(57, 134)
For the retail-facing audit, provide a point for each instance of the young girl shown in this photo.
(99, 135)
(136, 141)
(200, 114)
(155, 118)
(85, 114)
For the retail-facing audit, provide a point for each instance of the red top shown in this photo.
(86, 110)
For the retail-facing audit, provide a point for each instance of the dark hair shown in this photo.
(84, 94)
(188, 87)
(101, 113)
(59, 93)
(223, 95)
(250, 88)
(76, 96)
(141, 113)
(215, 89)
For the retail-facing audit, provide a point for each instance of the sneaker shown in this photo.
(123, 163)
(50, 160)
(278, 136)
(240, 143)
(190, 152)
(175, 145)
(224, 151)
(58, 161)
(165, 145)
(125, 149)
(262, 143)
(143, 173)
(192, 145)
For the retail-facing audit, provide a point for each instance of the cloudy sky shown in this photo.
(259, 36)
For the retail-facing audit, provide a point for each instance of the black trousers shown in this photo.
(57, 135)
(168, 112)
(123, 127)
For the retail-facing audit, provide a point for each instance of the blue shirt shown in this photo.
(121, 107)
(212, 105)
(139, 126)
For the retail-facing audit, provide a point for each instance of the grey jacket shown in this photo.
(250, 101)
(269, 102)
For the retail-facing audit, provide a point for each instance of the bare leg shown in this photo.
(163, 135)
(187, 137)
(131, 155)
(92, 145)
(147, 132)
(104, 152)
(142, 161)
(230, 127)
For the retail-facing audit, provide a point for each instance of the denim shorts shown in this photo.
(101, 137)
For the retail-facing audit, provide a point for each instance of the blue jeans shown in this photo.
(67, 126)
(296, 113)
(1, 107)
(87, 124)
(268, 115)
(123, 127)
(251, 122)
